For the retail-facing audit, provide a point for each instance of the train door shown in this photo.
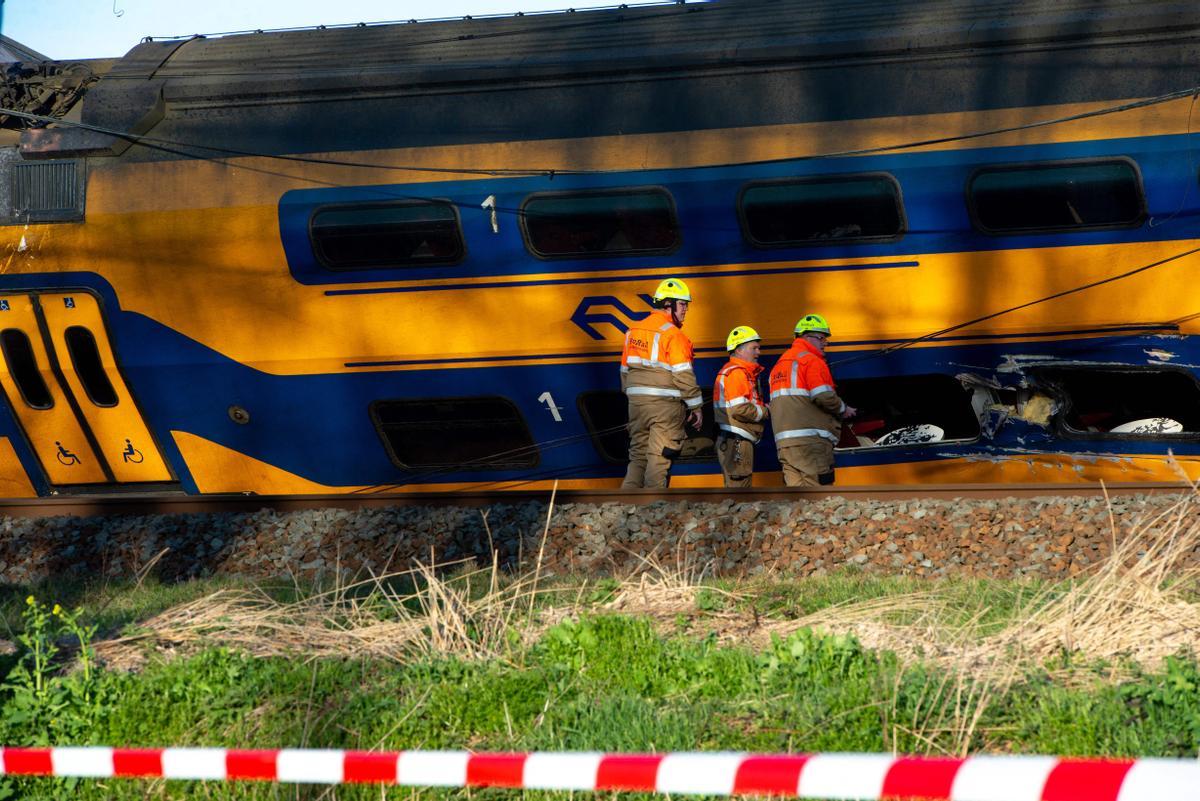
(61, 379)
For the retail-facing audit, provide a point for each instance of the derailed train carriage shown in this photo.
(404, 256)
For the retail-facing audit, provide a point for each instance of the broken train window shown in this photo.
(910, 410)
(1126, 403)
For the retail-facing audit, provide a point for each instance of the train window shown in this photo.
(1056, 197)
(606, 413)
(907, 410)
(822, 210)
(85, 356)
(1131, 403)
(602, 223)
(486, 433)
(366, 236)
(22, 366)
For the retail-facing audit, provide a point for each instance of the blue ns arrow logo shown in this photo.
(586, 318)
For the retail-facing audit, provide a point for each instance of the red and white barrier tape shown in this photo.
(833, 776)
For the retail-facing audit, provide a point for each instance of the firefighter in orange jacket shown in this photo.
(738, 406)
(806, 411)
(658, 379)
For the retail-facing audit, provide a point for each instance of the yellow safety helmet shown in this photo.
(812, 324)
(740, 336)
(672, 289)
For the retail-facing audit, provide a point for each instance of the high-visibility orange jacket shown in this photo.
(804, 401)
(737, 404)
(657, 361)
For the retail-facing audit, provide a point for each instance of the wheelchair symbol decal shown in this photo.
(69, 302)
(65, 457)
(131, 454)
(4, 305)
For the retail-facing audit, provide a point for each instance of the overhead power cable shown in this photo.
(147, 140)
(908, 343)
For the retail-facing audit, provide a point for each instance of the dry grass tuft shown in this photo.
(468, 615)
(1138, 605)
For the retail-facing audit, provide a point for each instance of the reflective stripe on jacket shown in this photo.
(804, 401)
(737, 404)
(657, 361)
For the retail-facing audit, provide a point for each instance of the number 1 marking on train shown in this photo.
(548, 399)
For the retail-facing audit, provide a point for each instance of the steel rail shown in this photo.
(178, 503)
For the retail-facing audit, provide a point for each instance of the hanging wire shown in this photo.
(162, 144)
(908, 343)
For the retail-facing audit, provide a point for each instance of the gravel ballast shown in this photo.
(1052, 537)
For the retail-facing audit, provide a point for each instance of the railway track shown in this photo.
(178, 503)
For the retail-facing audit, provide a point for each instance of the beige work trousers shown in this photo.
(654, 424)
(736, 456)
(805, 458)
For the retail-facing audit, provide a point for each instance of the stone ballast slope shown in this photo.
(1049, 538)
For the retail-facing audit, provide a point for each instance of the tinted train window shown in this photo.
(85, 357)
(367, 236)
(1053, 197)
(1140, 404)
(605, 223)
(606, 414)
(822, 210)
(907, 410)
(465, 433)
(22, 366)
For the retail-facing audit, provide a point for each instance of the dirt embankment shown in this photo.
(1041, 537)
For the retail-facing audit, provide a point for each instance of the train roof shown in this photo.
(12, 50)
(621, 43)
(668, 34)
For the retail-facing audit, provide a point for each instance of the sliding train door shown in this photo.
(60, 376)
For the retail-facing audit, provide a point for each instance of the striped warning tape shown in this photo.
(833, 776)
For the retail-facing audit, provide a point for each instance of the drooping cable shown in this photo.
(147, 140)
(881, 352)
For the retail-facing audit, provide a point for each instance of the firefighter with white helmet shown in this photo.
(806, 411)
(658, 379)
(738, 406)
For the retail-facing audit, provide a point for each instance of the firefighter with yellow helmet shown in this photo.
(658, 379)
(806, 411)
(738, 406)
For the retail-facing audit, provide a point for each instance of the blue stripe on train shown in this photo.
(933, 187)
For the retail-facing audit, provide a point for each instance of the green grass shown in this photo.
(112, 605)
(602, 682)
(607, 683)
(994, 603)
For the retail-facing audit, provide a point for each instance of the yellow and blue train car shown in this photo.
(403, 256)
